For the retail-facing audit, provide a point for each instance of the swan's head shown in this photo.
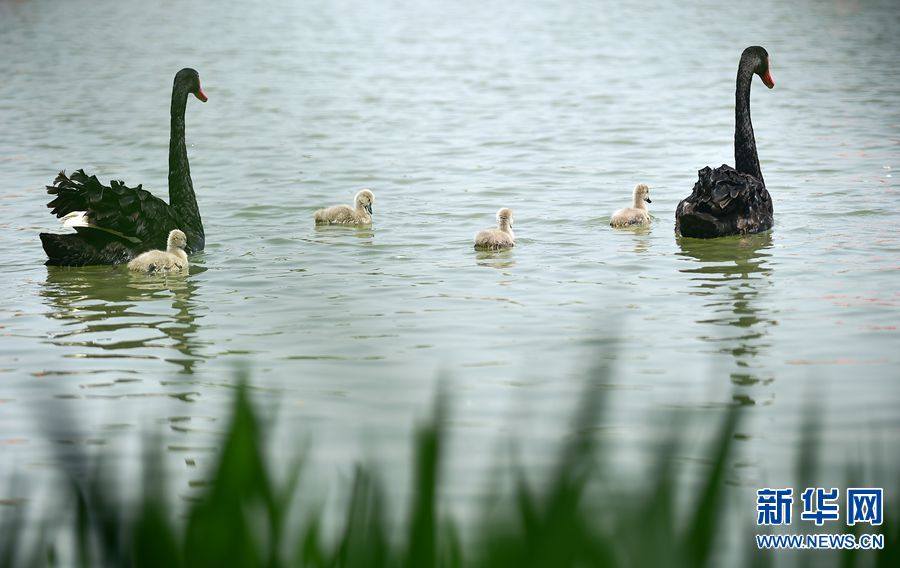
(505, 217)
(177, 239)
(365, 199)
(641, 193)
(189, 80)
(759, 58)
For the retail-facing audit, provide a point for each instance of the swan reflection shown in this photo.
(732, 273)
(502, 258)
(338, 233)
(108, 312)
(634, 240)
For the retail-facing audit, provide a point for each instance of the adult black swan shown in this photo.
(726, 200)
(115, 223)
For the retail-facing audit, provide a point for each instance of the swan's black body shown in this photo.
(125, 221)
(726, 200)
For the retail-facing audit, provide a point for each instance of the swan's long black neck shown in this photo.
(181, 191)
(745, 158)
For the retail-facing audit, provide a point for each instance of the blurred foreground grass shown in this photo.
(243, 519)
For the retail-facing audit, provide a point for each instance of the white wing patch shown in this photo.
(79, 219)
(76, 219)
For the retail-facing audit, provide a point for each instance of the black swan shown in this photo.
(116, 223)
(726, 200)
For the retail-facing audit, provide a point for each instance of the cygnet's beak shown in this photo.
(369, 208)
(647, 199)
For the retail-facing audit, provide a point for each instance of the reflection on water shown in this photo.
(495, 258)
(336, 233)
(732, 273)
(641, 241)
(113, 313)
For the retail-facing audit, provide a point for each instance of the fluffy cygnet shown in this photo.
(361, 214)
(637, 215)
(499, 238)
(173, 259)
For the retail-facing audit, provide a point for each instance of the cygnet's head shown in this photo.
(641, 193)
(177, 239)
(365, 199)
(505, 216)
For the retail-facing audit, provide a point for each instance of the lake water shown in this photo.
(448, 111)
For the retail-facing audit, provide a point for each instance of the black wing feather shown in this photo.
(131, 211)
(85, 249)
(724, 201)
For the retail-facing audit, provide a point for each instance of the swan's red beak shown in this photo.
(768, 80)
(203, 98)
